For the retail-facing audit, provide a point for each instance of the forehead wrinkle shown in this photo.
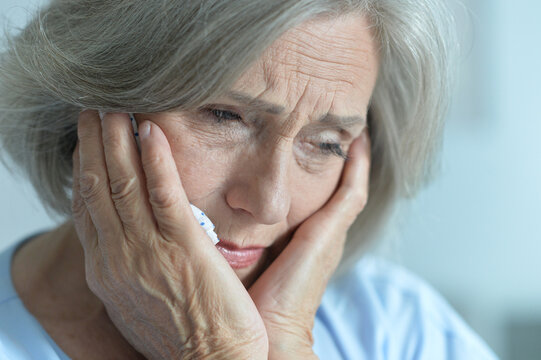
(305, 64)
(310, 55)
(290, 64)
(318, 30)
(336, 52)
(303, 102)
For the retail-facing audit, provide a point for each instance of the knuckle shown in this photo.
(89, 186)
(124, 190)
(152, 162)
(162, 197)
(113, 140)
(78, 207)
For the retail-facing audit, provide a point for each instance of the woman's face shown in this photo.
(262, 159)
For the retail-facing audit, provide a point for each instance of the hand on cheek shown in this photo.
(289, 292)
(165, 287)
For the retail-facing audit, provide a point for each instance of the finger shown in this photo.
(94, 181)
(165, 192)
(352, 193)
(325, 231)
(126, 177)
(84, 227)
(311, 257)
(81, 217)
(320, 240)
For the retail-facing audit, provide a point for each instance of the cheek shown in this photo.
(311, 192)
(202, 170)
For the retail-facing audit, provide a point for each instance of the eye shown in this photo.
(332, 149)
(221, 116)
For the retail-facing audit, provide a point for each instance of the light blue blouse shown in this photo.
(377, 311)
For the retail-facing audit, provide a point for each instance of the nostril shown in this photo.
(265, 202)
(260, 185)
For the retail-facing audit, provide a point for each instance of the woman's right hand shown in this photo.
(165, 286)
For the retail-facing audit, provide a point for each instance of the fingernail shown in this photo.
(144, 129)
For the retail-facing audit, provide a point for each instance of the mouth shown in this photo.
(239, 257)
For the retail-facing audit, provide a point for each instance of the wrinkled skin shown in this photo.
(262, 178)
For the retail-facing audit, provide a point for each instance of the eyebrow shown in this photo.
(325, 120)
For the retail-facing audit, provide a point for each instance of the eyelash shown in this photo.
(333, 149)
(221, 116)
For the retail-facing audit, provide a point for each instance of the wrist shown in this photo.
(293, 354)
(288, 349)
(251, 347)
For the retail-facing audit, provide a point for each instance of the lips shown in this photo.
(239, 257)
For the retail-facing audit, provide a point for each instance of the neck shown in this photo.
(49, 275)
(52, 267)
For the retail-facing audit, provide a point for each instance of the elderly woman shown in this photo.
(287, 122)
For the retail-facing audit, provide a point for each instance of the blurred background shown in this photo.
(475, 232)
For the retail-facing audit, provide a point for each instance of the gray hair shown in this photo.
(152, 56)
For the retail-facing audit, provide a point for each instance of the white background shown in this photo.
(474, 233)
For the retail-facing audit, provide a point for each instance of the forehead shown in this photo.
(322, 66)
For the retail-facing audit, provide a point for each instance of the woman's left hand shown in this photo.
(289, 292)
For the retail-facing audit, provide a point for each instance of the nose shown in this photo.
(261, 186)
